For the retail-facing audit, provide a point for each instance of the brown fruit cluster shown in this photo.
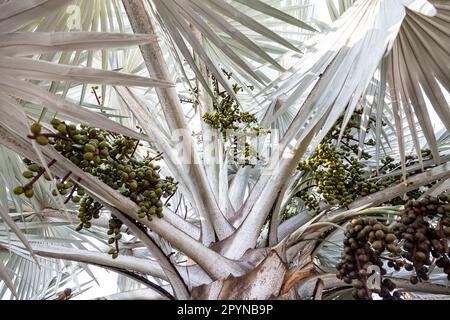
(418, 240)
(365, 240)
(424, 230)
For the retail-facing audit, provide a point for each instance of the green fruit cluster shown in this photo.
(228, 116)
(109, 157)
(336, 176)
(33, 173)
(114, 235)
(89, 209)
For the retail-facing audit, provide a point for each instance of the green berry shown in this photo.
(28, 174)
(89, 148)
(97, 160)
(42, 140)
(133, 185)
(29, 193)
(36, 128)
(104, 152)
(18, 190)
(62, 128)
(141, 215)
(88, 156)
(55, 122)
(68, 185)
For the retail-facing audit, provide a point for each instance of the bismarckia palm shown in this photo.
(224, 235)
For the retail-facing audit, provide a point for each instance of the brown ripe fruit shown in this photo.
(362, 294)
(408, 237)
(419, 236)
(447, 231)
(378, 246)
(392, 248)
(379, 234)
(420, 256)
(377, 227)
(363, 258)
(414, 280)
(390, 237)
(357, 284)
(363, 272)
(409, 267)
(424, 247)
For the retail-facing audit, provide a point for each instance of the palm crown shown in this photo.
(376, 79)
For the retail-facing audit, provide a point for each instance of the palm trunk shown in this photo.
(206, 204)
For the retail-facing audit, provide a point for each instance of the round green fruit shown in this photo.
(28, 174)
(42, 140)
(62, 128)
(89, 148)
(88, 156)
(18, 190)
(55, 122)
(36, 128)
(29, 193)
(33, 167)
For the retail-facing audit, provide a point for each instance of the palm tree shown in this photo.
(226, 234)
